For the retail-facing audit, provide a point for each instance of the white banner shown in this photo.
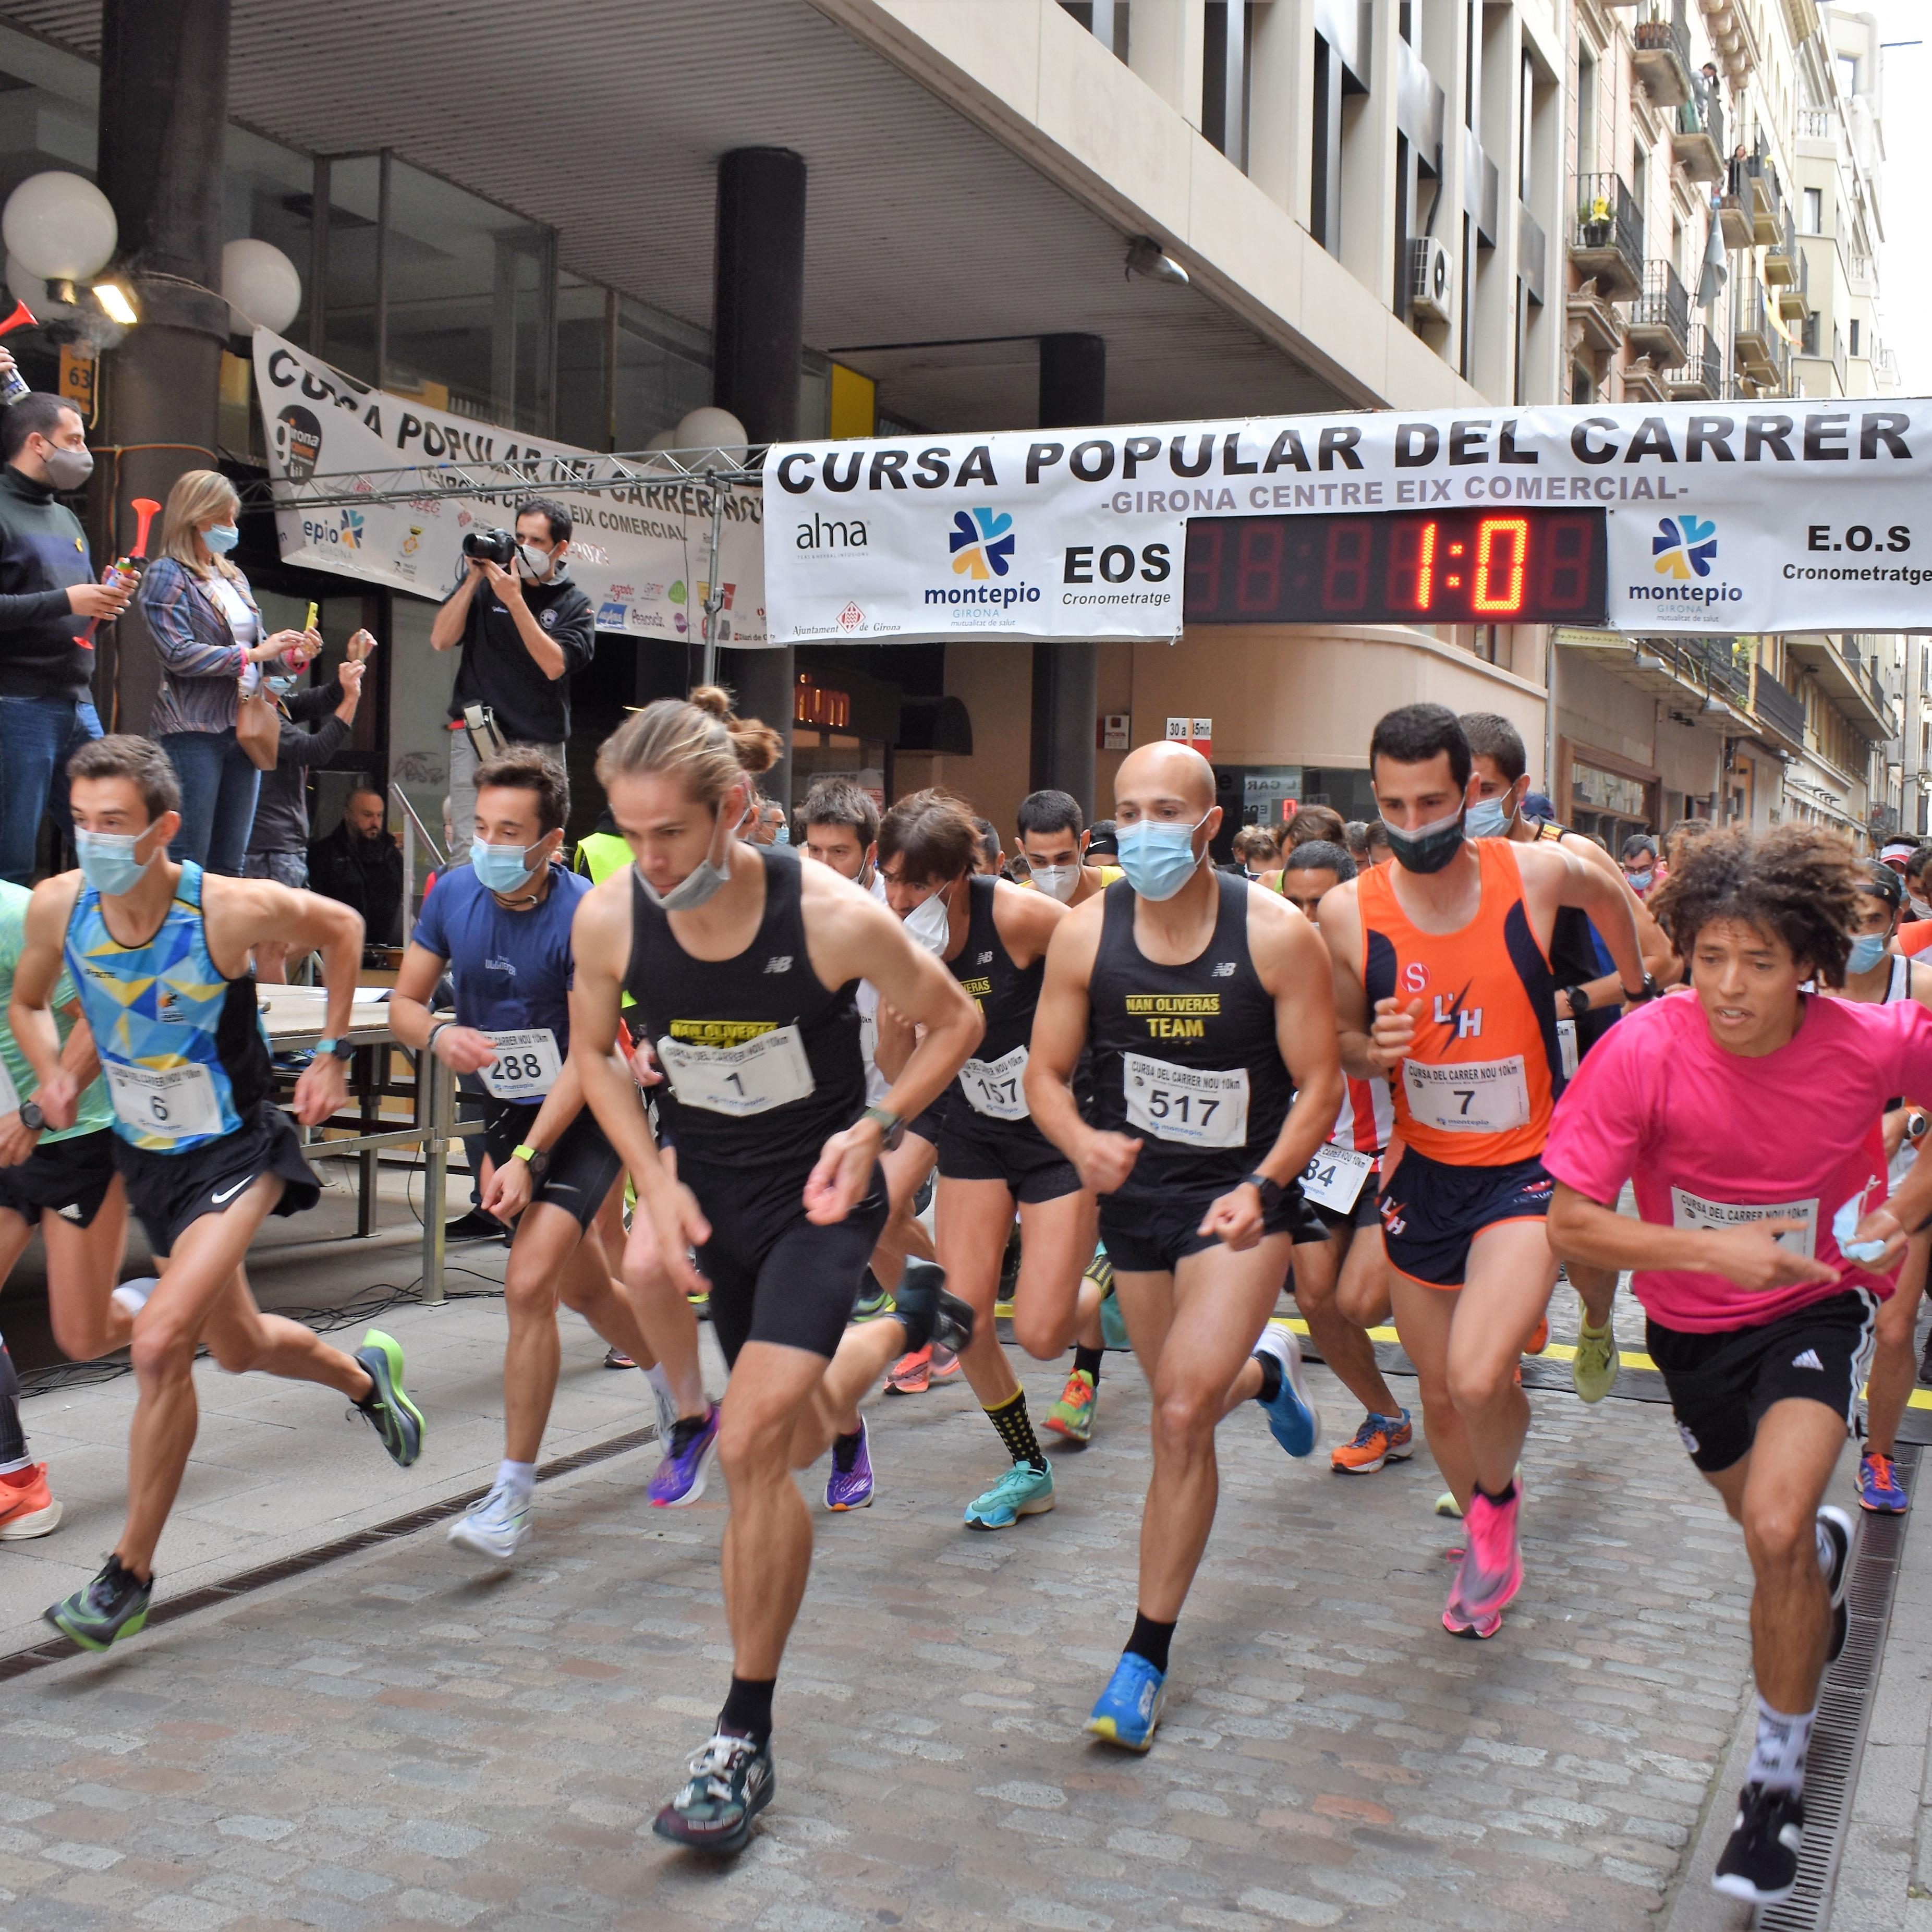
(640, 551)
(1802, 514)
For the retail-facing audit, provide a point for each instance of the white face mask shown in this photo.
(711, 873)
(1059, 881)
(537, 560)
(1923, 908)
(928, 925)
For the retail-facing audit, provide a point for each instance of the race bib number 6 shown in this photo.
(527, 1065)
(1191, 1105)
(174, 1102)
(768, 1072)
(1470, 1097)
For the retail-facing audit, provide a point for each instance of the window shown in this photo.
(1808, 342)
(1586, 110)
(1524, 107)
(1857, 338)
(1814, 210)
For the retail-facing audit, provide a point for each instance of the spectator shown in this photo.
(1918, 898)
(1314, 821)
(360, 864)
(1638, 857)
(278, 842)
(523, 632)
(47, 593)
(1254, 852)
(1537, 806)
(208, 635)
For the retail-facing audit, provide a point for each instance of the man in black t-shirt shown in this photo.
(523, 632)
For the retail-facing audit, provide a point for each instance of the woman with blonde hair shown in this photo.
(209, 634)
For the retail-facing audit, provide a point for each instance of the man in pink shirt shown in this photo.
(1746, 1117)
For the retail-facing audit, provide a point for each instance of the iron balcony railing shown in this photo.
(1703, 113)
(1662, 309)
(1778, 708)
(1704, 363)
(1607, 232)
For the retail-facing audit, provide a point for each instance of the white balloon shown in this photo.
(714, 432)
(260, 285)
(59, 227)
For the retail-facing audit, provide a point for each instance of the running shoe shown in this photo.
(1446, 1504)
(700, 1304)
(945, 1362)
(1593, 1370)
(731, 1782)
(929, 1313)
(614, 1357)
(1539, 1338)
(1072, 1415)
(1003, 1309)
(1837, 1528)
(391, 1415)
(1293, 1419)
(911, 1373)
(1760, 1862)
(114, 1605)
(1491, 1571)
(1130, 1707)
(873, 1299)
(1879, 1490)
(1023, 1490)
(850, 1485)
(679, 1478)
(27, 1505)
(1381, 1438)
(495, 1529)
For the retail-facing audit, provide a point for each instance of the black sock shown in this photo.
(1014, 1428)
(1149, 1640)
(1270, 1377)
(12, 1432)
(1507, 1494)
(1088, 1359)
(747, 1708)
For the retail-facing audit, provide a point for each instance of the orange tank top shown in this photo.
(1486, 1068)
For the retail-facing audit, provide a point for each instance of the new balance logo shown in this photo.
(1809, 1359)
(984, 959)
(1224, 969)
(779, 962)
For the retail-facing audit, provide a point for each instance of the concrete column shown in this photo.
(1164, 42)
(758, 332)
(163, 122)
(1066, 674)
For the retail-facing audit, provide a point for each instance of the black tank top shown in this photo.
(1005, 994)
(1573, 961)
(718, 1006)
(1212, 1015)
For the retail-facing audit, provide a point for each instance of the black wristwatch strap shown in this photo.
(31, 1118)
(1651, 990)
(1269, 1190)
(1579, 997)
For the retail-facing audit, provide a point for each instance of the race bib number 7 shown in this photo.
(1470, 1097)
(1193, 1105)
(768, 1072)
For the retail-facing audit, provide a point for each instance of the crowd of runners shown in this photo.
(826, 1093)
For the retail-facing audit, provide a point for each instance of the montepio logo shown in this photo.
(982, 543)
(1684, 545)
(345, 534)
(351, 537)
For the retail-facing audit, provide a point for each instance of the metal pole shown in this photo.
(440, 1083)
(714, 591)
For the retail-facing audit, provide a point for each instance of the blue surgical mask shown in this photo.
(1486, 819)
(1867, 950)
(1158, 856)
(280, 686)
(711, 875)
(1639, 882)
(502, 868)
(107, 860)
(221, 538)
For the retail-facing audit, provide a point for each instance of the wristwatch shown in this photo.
(1269, 1190)
(1579, 997)
(31, 1118)
(537, 1159)
(1916, 1122)
(891, 1126)
(1652, 990)
(340, 1048)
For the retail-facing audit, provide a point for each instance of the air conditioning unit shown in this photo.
(1432, 280)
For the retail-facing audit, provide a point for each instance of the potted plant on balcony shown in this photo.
(1595, 221)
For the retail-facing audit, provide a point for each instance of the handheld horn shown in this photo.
(23, 317)
(145, 511)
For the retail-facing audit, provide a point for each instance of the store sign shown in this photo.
(1797, 515)
(640, 553)
(1117, 731)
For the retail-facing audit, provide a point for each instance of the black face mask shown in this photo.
(1428, 850)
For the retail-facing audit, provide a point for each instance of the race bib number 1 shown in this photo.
(527, 1065)
(993, 1087)
(1193, 1105)
(769, 1071)
(1470, 1097)
(174, 1103)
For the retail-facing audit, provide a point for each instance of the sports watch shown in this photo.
(537, 1159)
(1579, 997)
(339, 1049)
(1269, 1190)
(1651, 990)
(31, 1118)
(891, 1126)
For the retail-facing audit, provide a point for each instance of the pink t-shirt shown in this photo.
(1712, 1138)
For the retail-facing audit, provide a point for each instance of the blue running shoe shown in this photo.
(1130, 1707)
(678, 1479)
(1293, 1419)
(1879, 1490)
(1022, 1491)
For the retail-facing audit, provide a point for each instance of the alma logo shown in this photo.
(982, 543)
(1684, 544)
(832, 533)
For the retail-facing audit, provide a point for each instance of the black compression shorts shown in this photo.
(583, 1164)
(973, 1147)
(1145, 1235)
(169, 1191)
(69, 1178)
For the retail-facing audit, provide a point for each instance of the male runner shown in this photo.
(1588, 1001)
(500, 928)
(1198, 992)
(1056, 843)
(1747, 1118)
(1343, 1301)
(993, 1159)
(741, 960)
(160, 953)
(1443, 982)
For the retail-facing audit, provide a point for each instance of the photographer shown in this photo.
(524, 627)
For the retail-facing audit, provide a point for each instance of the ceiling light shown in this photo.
(1145, 258)
(113, 298)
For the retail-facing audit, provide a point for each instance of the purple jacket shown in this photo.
(202, 663)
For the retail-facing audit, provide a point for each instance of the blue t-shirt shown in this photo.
(511, 970)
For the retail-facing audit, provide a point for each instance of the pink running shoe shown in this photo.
(1491, 1572)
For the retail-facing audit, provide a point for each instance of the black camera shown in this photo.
(497, 546)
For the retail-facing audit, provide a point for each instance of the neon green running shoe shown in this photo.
(1593, 1370)
(391, 1415)
(114, 1605)
(1023, 1490)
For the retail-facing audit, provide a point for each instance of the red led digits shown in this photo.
(1510, 534)
(1411, 568)
(1258, 571)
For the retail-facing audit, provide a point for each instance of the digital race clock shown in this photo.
(1514, 566)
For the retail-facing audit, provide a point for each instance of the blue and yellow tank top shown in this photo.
(182, 1048)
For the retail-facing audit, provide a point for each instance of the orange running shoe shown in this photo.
(1381, 1438)
(1539, 1340)
(27, 1505)
(911, 1374)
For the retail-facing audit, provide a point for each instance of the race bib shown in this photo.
(176, 1102)
(1566, 1047)
(770, 1071)
(9, 1097)
(1688, 1210)
(992, 1087)
(1473, 1096)
(1187, 1104)
(1334, 1178)
(869, 1039)
(527, 1065)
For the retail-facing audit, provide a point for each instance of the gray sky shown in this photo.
(1905, 256)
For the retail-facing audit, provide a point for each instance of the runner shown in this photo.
(741, 961)
(1342, 1302)
(1761, 1257)
(1057, 845)
(160, 953)
(1198, 991)
(993, 1160)
(1442, 971)
(500, 928)
(1587, 1002)
(1874, 976)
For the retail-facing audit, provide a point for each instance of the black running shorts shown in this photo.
(775, 1276)
(169, 1191)
(1721, 1384)
(930, 1124)
(973, 1147)
(1431, 1212)
(1150, 1235)
(69, 1178)
(583, 1164)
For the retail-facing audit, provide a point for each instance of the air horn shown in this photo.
(16, 386)
(125, 573)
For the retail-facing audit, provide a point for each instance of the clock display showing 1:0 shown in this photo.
(1509, 566)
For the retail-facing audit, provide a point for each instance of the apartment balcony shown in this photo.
(1607, 236)
(1695, 676)
(1754, 337)
(1701, 377)
(1697, 140)
(1661, 53)
(1781, 258)
(1849, 679)
(1596, 316)
(1777, 708)
(1763, 194)
(1794, 299)
(1733, 217)
(1660, 319)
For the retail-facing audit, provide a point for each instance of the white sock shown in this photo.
(1777, 1758)
(659, 1381)
(13, 1468)
(1828, 1550)
(132, 1295)
(520, 1478)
